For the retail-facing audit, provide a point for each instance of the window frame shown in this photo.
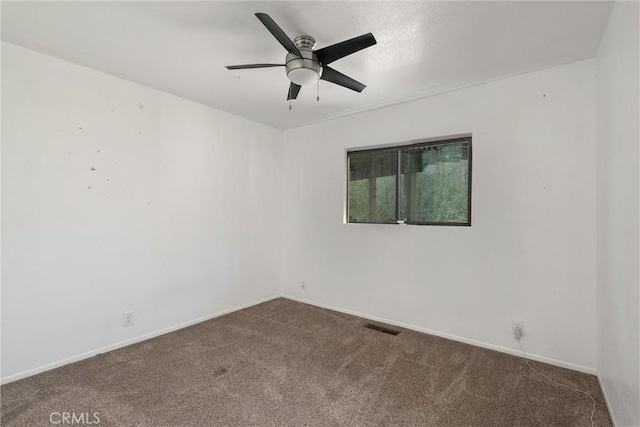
(398, 150)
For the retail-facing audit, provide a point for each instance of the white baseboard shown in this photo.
(49, 366)
(507, 350)
(606, 400)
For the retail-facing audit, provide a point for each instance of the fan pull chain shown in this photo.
(289, 97)
(318, 93)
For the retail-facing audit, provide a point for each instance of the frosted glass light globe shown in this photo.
(303, 76)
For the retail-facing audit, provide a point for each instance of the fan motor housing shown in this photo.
(307, 69)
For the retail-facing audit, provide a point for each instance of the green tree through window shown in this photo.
(425, 183)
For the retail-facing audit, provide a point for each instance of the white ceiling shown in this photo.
(423, 47)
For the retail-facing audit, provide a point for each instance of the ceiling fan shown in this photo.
(306, 66)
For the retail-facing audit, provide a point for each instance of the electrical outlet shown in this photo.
(303, 285)
(517, 322)
(127, 319)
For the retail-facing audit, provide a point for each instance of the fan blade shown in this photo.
(294, 90)
(328, 54)
(333, 76)
(242, 67)
(277, 32)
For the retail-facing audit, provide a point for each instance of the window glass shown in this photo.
(372, 186)
(435, 184)
(426, 183)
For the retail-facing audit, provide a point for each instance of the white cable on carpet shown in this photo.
(593, 411)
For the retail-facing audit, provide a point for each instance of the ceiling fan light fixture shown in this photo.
(305, 69)
(304, 76)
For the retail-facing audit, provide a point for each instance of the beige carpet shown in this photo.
(287, 363)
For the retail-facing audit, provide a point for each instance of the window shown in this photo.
(426, 183)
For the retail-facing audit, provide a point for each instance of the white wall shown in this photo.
(530, 252)
(178, 220)
(618, 197)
